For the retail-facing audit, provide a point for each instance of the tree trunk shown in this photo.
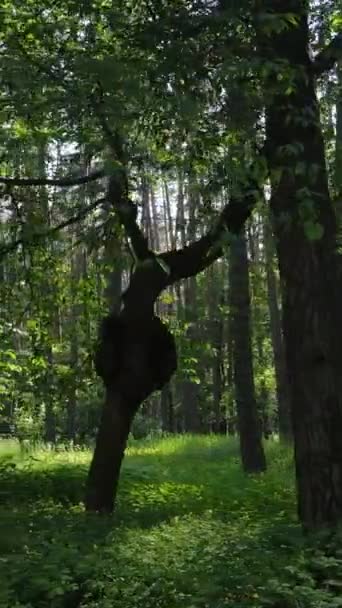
(172, 236)
(155, 219)
(110, 447)
(135, 357)
(305, 229)
(338, 148)
(166, 409)
(282, 381)
(252, 454)
(215, 335)
(231, 406)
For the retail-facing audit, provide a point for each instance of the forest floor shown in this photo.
(190, 531)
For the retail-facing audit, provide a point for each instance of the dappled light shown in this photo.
(187, 527)
(170, 304)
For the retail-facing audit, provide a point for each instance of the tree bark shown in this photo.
(338, 147)
(281, 377)
(133, 359)
(104, 472)
(305, 228)
(166, 409)
(252, 453)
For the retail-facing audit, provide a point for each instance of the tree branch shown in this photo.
(154, 274)
(126, 211)
(191, 260)
(37, 236)
(60, 182)
(117, 193)
(331, 54)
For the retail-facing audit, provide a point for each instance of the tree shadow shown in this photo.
(43, 521)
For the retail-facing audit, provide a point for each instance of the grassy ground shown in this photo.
(190, 531)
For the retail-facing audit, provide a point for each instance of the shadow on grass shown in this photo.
(181, 511)
(154, 485)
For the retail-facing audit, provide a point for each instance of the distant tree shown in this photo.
(252, 454)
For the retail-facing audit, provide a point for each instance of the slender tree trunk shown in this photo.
(231, 407)
(170, 228)
(252, 454)
(282, 381)
(180, 219)
(48, 308)
(190, 390)
(338, 148)
(72, 392)
(75, 315)
(166, 409)
(215, 330)
(155, 219)
(305, 228)
(257, 285)
(146, 211)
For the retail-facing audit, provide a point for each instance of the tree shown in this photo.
(110, 81)
(305, 229)
(282, 380)
(136, 353)
(252, 454)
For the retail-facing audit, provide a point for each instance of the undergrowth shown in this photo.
(190, 531)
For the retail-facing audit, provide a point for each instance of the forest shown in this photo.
(170, 304)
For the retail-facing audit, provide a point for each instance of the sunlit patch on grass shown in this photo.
(190, 531)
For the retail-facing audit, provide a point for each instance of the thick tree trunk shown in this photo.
(282, 381)
(252, 454)
(135, 357)
(305, 230)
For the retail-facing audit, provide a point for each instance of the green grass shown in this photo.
(190, 531)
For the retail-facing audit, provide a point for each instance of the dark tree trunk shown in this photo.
(166, 409)
(135, 357)
(338, 149)
(252, 454)
(110, 447)
(282, 381)
(305, 230)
